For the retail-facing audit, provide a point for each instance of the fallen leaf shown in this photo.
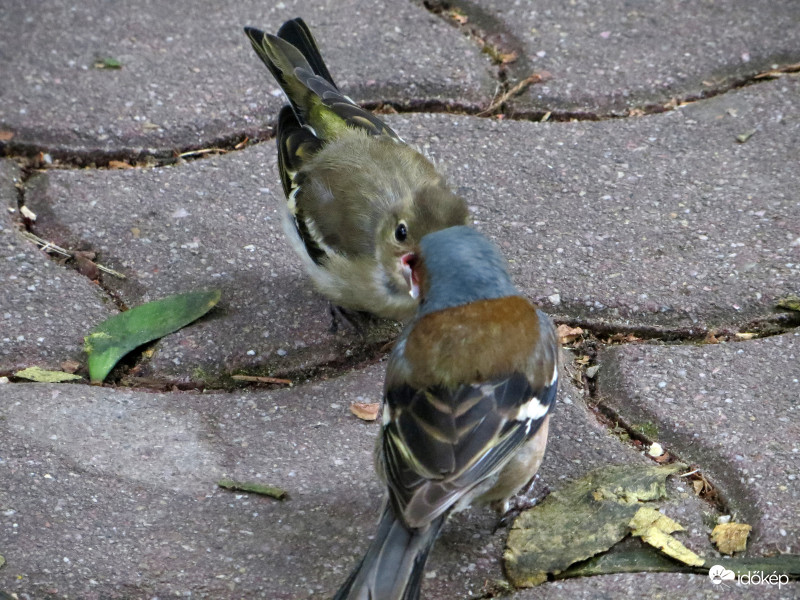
(655, 529)
(107, 63)
(790, 302)
(44, 376)
(624, 338)
(86, 266)
(6, 135)
(366, 411)
(580, 520)
(70, 366)
(746, 335)
(731, 537)
(115, 337)
(458, 16)
(568, 334)
(743, 137)
(119, 164)
(254, 488)
(506, 58)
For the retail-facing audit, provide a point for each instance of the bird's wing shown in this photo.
(440, 444)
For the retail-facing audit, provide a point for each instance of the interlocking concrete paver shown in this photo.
(45, 309)
(658, 586)
(206, 224)
(675, 223)
(733, 410)
(112, 493)
(660, 221)
(189, 78)
(611, 57)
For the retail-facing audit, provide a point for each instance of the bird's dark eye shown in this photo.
(401, 233)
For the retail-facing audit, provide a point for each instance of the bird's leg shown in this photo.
(357, 320)
(524, 500)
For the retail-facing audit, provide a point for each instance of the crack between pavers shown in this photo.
(638, 436)
(66, 262)
(503, 48)
(35, 156)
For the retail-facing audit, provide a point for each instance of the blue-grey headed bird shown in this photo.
(358, 197)
(469, 388)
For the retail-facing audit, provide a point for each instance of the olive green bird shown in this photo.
(358, 197)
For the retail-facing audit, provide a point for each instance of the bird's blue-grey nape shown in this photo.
(462, 266)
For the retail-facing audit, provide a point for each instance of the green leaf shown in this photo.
(115, 337)
(45, 376)
(107, 63)
(255, 488)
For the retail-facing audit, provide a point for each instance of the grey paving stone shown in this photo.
(112, 493)
(206, 224)
(658, 586)
(45, 310)
(608, 58)
(189, 78)
(734, 410)
(663, 220)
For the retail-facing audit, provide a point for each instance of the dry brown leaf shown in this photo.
(508, 57)
(458, 16)
(567, 334)
(70, 366)
(119, 164)
(366, 411)
(5, 135)
(731, 537)
(624, 338)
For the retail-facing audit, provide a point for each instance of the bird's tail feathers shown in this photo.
(297, 33)
(393, 566)
(295, 62)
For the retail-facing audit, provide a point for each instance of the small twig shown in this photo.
(260, 379)
(689, 473)
(51, 247)
(514, 91)
(772, 73)
(202, 152)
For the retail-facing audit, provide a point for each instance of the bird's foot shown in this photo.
(518, 504)
(357, 320)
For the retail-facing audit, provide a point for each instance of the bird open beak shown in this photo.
(407, 262)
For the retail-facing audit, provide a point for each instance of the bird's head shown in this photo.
(455, 266)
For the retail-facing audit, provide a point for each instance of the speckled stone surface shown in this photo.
(613, 57)
(45, 309)
(112, 493)
(666, 220)
(189, 78)
(679, 227)
(733, 409)
(208, 224)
